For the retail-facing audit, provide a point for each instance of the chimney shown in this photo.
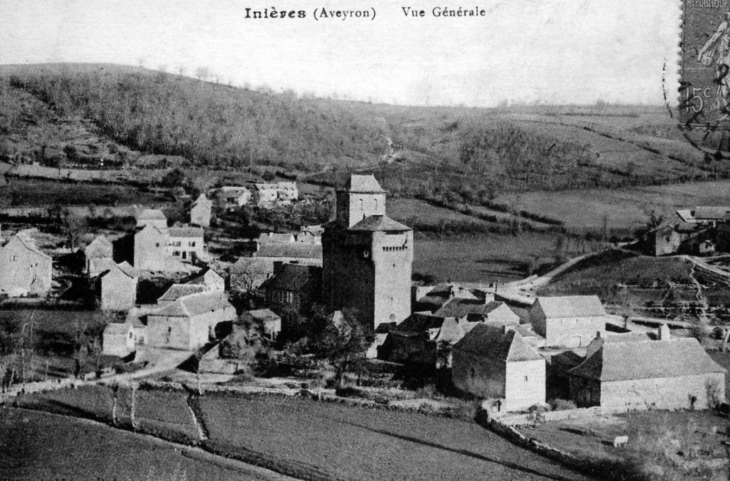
(664, 333)
(277, 266)
(598, 335)
(488, 297)
(452, 291)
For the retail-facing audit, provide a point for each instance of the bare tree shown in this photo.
(202, 73)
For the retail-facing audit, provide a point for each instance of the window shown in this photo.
(473, 373)
(157, 244)
(525, 378)
(192, 244)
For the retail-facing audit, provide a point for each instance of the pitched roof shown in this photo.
(379, 223)
(99, 247)
(151, 214)
(202, 200)
(294, 277)
(29, 243)
(459, 308)
(418, 323)
(363, 184)
(176, 291)
(200, 278)
(705, 212)
(186, 231)
(274, 238)
(451, 331)
(117, 329)
(291, 249)
(494, 343)
(624, 361)
(571, 306)
(128, 269)
(195, 304)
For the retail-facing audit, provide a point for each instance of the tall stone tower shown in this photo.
(367, 256)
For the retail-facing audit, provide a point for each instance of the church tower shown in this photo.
(367, 256)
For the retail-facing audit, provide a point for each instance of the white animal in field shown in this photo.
(620, 441)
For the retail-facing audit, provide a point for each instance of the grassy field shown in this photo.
(37, 446)
(658, 442)
(623, 209)
(45, 193)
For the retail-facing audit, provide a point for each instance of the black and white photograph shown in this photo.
(364, 241)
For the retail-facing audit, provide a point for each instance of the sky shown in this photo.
(547, 51)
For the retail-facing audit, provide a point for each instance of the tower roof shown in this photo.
(379, 223)
(363, 184)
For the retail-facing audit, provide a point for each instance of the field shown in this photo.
(622, 209)
(333, 441)
(37, 446)
(658, 446)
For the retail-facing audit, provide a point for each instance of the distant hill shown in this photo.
(86, 112)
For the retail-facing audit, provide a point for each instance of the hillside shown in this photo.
(57, 114)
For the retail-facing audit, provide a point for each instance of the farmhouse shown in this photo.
(210, 279)
(630, 373)
(117, 288)
(186, 243)
(431, 298)
(265, 195)
(200, 212)
(150, 248)
(568, 321)
(491, 312)
(25, 269)
(706, 215)
(153, 217)
(496, 363)
(231, 197)
(413, 341)
(287, 192)
(367, 256)
(118, 339)
(251, 272)
(100, 248)
(293, 286)
(190, 322)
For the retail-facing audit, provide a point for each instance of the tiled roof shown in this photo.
(710, 212)
(200, 278)
(294, 277)
(363, 184)
(419, 322)
(187, 231)
(459, 308)
(571, 306)
(495, 343)
(451, 331)
(29, 243)
(274, 238)
(292, 249)
(117, 329)
(151, 214)
(195, 304)
(128, 269)
(264, 315)
(99, 247)
(624, 361)
(377, 223)
(202, 200)
(176, 291)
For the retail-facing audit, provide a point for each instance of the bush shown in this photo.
(561, 404)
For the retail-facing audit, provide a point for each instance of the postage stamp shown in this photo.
(705, 63)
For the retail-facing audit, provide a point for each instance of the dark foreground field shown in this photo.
(36, 446)
(312, 440)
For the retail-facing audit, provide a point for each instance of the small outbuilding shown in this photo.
(201, 211)
(117, 288)
(118, 339)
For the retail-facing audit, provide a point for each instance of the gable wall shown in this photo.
(118, 292)
(478, 375)
(662, 393)
(573, 331)
(23, 269)
(525, 384)
(169, 332)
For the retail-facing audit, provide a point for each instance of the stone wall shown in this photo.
(478, 375)
(525, 384)
(666, 393)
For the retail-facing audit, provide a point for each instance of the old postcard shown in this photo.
(364, 240)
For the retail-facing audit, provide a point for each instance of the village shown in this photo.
(498, 343)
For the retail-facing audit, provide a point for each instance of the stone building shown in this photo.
(201, 211)
(630, 373)
(24, 269)
(665, 241)
(150, 249)
(494, 362)
(568, 321)
(232, 197)
(251, 272)
(97, 255)
(367, 256)
(117, 288)
(190, 322)
(293, 287)
(210, 279)
(118, 339)
(265, 194)
(287, 192)
(186, 243)
(177, 291)
(270, 321)
(491, 312)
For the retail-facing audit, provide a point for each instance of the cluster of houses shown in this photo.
(258, 195)
(702, 231)
(567, 347)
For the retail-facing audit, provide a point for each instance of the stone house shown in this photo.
(367, 257)
(190, 322)
(413, 341)
(25, 269)
(186, 243)
(153, 217)
(201, 211)
(666, 240)
(250, 272)
(265, 194)
(269, 321)
(494, 362)
(647, 374)
(568, 321)
(432, 298)
(232, 197)
(293, 287)
(491, 312)
(150, 248)
(100, 248)
(117, 288)
(210, 279)
(118, 339)
(287, 192)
